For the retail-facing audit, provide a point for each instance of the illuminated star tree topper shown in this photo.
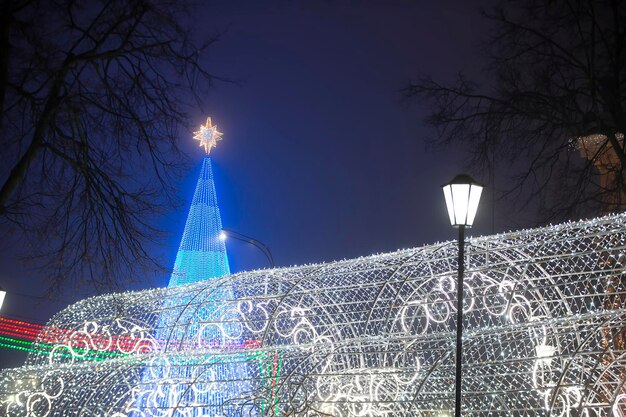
(208, 136)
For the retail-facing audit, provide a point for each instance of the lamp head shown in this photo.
(3, 293)
(462, 196)
(223, 235)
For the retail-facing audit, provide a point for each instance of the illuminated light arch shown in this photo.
(374, 336)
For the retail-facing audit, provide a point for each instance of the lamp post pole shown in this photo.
(462, 197)
(3, 293)
(245, 238)
(459, 322)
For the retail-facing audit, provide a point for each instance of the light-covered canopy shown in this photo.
(544, 336)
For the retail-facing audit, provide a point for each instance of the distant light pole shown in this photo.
(226, 233)
(3, 293)
(462, 196)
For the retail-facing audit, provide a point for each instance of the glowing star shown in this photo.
(208, 136)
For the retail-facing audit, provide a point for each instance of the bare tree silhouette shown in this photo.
(92, 96)
(554, 91)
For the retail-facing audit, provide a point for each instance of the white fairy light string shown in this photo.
(545, 336)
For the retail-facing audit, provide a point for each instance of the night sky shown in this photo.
(322, 159)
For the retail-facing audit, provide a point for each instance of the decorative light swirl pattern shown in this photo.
(545, 336)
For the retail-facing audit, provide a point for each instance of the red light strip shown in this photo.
(126, 344)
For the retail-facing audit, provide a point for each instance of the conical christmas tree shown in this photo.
(202, 254)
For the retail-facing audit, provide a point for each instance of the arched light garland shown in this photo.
(545, 336)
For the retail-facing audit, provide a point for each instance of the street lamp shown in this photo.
(226, 233)
(3, 293)
(462, 195)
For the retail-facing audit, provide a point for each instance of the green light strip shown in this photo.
(99, 356)
(11, 343)
(277, 381)
(17, 347)
(23, 342)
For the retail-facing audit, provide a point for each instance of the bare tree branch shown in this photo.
(93, 98)
(556, 74)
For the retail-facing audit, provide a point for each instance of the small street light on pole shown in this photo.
(226, 233)
(462, 196)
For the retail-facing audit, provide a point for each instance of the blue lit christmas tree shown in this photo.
(202, 254)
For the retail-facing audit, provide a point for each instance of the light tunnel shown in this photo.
(544, 335)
